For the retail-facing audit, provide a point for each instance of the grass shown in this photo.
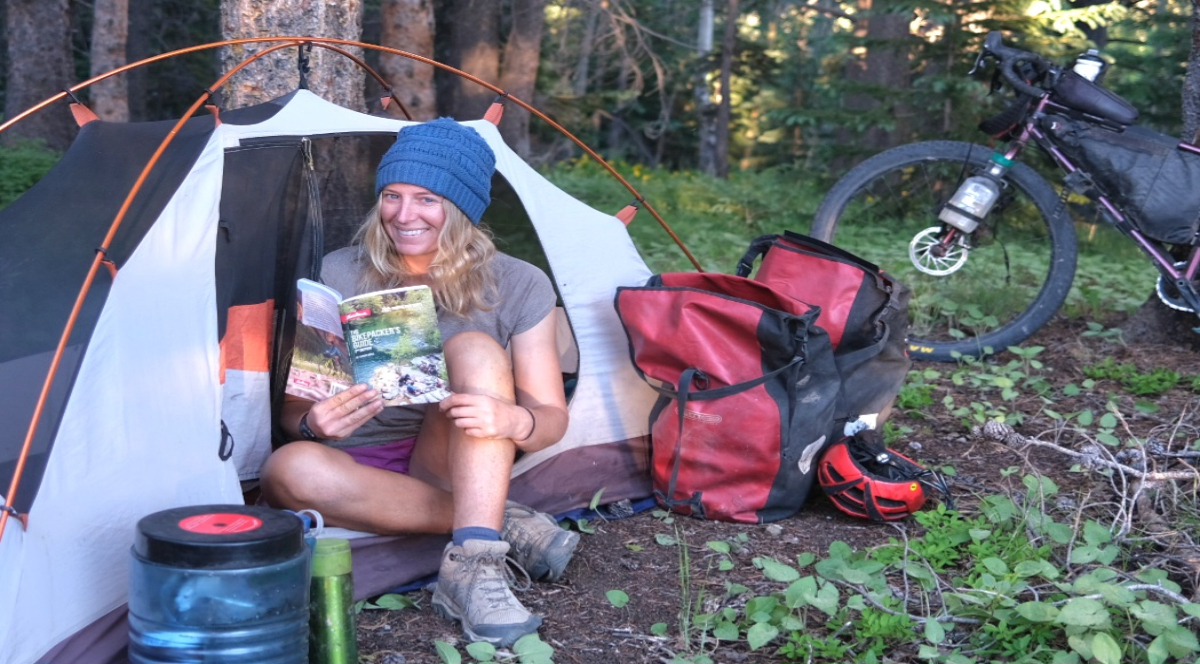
(21, 166)
(716, 220)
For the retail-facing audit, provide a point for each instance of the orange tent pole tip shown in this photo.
(496, 111)
(82, 114)
(626, 213)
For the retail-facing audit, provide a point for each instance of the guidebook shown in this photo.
(388, 339)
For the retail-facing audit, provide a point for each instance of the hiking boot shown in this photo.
(472, 587)
(539, 545)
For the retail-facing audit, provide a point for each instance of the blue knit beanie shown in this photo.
(446, 158)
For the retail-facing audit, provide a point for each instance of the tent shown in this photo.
(162, 394)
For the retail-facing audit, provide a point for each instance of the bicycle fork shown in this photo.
(943, 250)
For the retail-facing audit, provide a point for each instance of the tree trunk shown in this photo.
(472, 30)
(725, 109)
(38, 34)
(885, 69)
(342, 164)
(408, 25)
(332, 75)
(579, 84)
(110, 33)
(706, 111)
(522, 53)
(1155, 322)
(1191, 81)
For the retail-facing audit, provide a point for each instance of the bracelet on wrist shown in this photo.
(306, 431)
(532, 425)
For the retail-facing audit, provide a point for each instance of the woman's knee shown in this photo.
(475, 360)
(300, 474)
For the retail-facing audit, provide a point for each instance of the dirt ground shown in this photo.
(584, 627)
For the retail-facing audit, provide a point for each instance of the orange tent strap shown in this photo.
(216, 112)
(626, 213)
(494, 113)
(82, 114)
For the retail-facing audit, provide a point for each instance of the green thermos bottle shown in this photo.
(331, 625)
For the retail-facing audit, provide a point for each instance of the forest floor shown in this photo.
(640, 555)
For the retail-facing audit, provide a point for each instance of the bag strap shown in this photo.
(718, 392)
(825, 247)
(682, 395)
(758, 248)
(694, 502)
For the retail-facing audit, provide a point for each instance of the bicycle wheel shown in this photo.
(1007, 280)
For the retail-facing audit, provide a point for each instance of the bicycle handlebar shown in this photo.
(1009, 58)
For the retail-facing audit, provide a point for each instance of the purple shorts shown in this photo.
(389, 456)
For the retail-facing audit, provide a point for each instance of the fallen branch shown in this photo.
(1004, 434)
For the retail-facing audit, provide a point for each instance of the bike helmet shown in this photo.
(864, 478)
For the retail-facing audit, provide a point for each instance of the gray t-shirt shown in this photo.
(525, 298)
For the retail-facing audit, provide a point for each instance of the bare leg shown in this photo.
(477, 469)
(307, 475)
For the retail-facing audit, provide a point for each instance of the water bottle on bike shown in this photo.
(984, 241)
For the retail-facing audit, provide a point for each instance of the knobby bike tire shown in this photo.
(1027, 245)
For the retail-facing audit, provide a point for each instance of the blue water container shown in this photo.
(219, 584)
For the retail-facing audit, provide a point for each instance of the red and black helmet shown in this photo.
(864, 478)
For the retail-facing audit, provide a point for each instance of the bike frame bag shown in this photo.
(748, 391)
(1145, 173)
(864, 311)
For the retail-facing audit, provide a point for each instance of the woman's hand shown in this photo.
(342, 414)
(481, 416)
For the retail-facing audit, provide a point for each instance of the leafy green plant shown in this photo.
(21, 166)
(386, 602)
(1008, 583)
(529, 649)
(618, 598)
(1156, 381)
(915, 396)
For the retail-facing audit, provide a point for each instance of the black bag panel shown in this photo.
(1075, 91)
(871, 352)
(1147, 174)
(873, 374)
(810, 409)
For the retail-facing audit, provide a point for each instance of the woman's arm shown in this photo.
(540, 414)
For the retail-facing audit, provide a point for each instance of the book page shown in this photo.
(319, 307)
(395, 344)
(320, 363)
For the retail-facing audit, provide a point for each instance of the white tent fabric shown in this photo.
(151, 373)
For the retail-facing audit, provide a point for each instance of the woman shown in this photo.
(442, 468)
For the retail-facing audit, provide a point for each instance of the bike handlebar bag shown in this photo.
(747, 390)
(1145, 173)
(863, 309)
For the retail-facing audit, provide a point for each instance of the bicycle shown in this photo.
(987, 274)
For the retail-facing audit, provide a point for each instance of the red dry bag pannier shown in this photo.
(864, 311)
(748, 390)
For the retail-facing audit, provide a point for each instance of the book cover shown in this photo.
(387, 339)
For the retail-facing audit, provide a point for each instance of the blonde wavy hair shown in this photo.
(460, 275)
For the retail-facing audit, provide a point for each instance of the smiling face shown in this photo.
(413, 218)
